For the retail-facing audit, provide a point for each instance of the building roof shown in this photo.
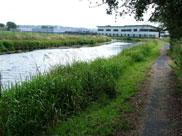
(130, 26)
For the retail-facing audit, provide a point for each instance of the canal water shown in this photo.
(18, 67)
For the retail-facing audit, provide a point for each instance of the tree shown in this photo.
(51, 27)
(44, 26)
(2, 25)
(167, 12)
(11, 25)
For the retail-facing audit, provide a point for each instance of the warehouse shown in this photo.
(140, 31)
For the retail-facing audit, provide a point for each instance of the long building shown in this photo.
(140, 31)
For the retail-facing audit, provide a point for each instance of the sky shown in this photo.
(73, 13)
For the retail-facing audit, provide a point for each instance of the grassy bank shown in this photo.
(58, 98)
(14, 42)
(129, 39)
(176, 54)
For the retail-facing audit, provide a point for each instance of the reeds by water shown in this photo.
(10, 42)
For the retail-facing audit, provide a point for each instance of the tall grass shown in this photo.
(7, 35)
(45, 100)
(176, 55)
(129, 39)
(107, 117)
(10, 41)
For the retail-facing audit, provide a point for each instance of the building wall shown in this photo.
(43, 30)
(129, 31)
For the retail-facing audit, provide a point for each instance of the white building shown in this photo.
(21, 29)
(43, 30)
(140, 31)
(164, 34)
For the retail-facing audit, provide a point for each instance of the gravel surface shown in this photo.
(158, 110)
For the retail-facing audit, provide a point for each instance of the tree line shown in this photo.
(9, 25)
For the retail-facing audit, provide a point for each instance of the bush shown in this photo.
(8, 45)
(2, 48)
(176, 54)
(176, 51)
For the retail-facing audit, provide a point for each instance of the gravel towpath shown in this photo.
(161, 115)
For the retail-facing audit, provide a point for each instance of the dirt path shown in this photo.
(158, 111)
(157, 122)
(161, 117)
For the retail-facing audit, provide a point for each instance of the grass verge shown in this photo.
(61, 97)
(175, 53)
(15, 42)
(131, 39)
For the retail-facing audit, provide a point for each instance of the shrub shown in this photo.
(2, 48)
(8, 45)
(176, 54)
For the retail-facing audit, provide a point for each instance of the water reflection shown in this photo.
(16, 67)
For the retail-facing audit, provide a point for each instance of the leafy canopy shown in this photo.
(11, 25)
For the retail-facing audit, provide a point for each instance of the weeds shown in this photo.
(176, 54)
(129, 39)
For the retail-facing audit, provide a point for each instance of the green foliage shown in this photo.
(8, 45)
(128, 39)
(2, 48)
(11, 25)
(105, 117)
(44, 26)
(46, 99)
(26, 41)
(2, 25)
(166, 39)
(176, 54)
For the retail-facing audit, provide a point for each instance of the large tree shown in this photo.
(11, 25)
(167, 12)
(44, 26)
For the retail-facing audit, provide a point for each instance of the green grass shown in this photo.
(166, 39)
(8, 35)
(175, 53)
(129, 39)
(26, 41)
(61, 97)
(105, 117)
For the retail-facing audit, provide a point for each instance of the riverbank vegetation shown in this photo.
(11, 42)
(176, 54)
(131, 39)
(81, 99)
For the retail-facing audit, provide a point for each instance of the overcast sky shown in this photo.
(74, 13)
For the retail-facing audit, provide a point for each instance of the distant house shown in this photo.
(140, 31)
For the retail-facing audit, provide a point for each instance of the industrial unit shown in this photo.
(140, 31)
